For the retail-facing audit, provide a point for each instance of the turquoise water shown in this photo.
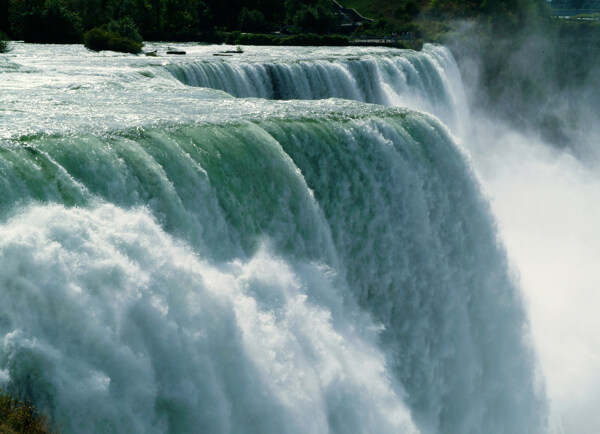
(180, 258)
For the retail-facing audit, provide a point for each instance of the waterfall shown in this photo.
(406, 78)
(178, 260)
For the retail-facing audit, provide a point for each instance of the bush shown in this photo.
(212, 37)
(20, 416)
(257, 39)
(124, 45)
(3, 43)
(98, 39)
(312, 39)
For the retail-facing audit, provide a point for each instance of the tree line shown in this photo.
(65, 21)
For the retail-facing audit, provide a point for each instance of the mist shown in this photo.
(533, 138)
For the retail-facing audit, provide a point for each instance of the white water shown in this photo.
(139, 334)
(548, 202)
(174, 257)
(381, 76)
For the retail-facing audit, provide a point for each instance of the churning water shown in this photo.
(286, 240)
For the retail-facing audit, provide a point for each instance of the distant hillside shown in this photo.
(432, 19)
(400, 16)
(574, 7)
(393, 11)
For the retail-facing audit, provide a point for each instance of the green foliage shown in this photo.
(273, 10)
(175, 15)
(202, 18)
(98, 39)
(4, 11)
(178, 16)
(318, 18)
(126, 28)
(62, 24)
(252, 20)
(504, 13)
(45, 21)
(407, 12)
(3, 43)
(66, 20)
(238, 38)
(121, 35)
(316, 40)
(27, 19)
(411, 9)
(93, 13)
(17, 416)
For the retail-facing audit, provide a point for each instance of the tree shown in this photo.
(202, 18)
(315, 19)
(26, 19)
(126, 28)
(175, 15)
(225, 13)
(63, 26)
(3, 43)
(4, 10)
(93, 13)
(251, 20)
(45, 21)
(272, 10)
